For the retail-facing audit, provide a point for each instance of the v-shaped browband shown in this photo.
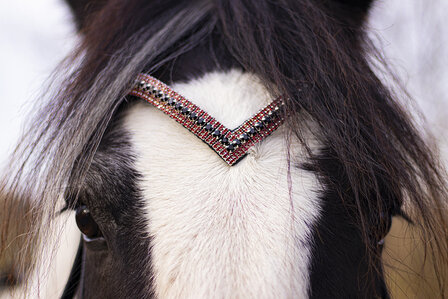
(230, 145)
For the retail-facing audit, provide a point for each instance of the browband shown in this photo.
(230, 145)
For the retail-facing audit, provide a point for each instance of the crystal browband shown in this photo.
(230, 145)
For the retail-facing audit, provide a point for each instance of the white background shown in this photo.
(34, 36)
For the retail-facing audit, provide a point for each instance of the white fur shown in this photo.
(219, 231)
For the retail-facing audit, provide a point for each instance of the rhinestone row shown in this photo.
(231, 145)
(200, 121)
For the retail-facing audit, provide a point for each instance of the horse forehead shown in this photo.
(232, 97)
(207, 219)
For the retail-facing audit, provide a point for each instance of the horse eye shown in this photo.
(86, 224)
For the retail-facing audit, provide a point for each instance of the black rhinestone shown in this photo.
(259, 125)
(201, 121)
(193, 116)
(244, 137)
(225, 140)
(178, 106)
(208, 127)
(165, 98)
(146, 87)
(171, 102)
(266, 119)
(230, 147)
(185, 111)
(251, 131)
(141, 84)
(216, 134)
(153, 90)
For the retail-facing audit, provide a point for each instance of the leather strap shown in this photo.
(75, 275)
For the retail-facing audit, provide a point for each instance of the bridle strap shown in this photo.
(230, 144)
(75, 275)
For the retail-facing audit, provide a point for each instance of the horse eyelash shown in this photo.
(404, 216)
(68, 205)
(64, 209)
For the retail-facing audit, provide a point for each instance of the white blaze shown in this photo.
(219, 231)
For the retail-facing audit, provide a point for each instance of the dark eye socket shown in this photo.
(86, 224)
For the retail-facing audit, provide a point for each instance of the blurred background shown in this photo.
(34, 37)
(412, 35)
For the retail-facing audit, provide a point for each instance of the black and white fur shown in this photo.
(177, 222)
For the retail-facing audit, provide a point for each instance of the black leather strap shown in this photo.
(75, 275)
